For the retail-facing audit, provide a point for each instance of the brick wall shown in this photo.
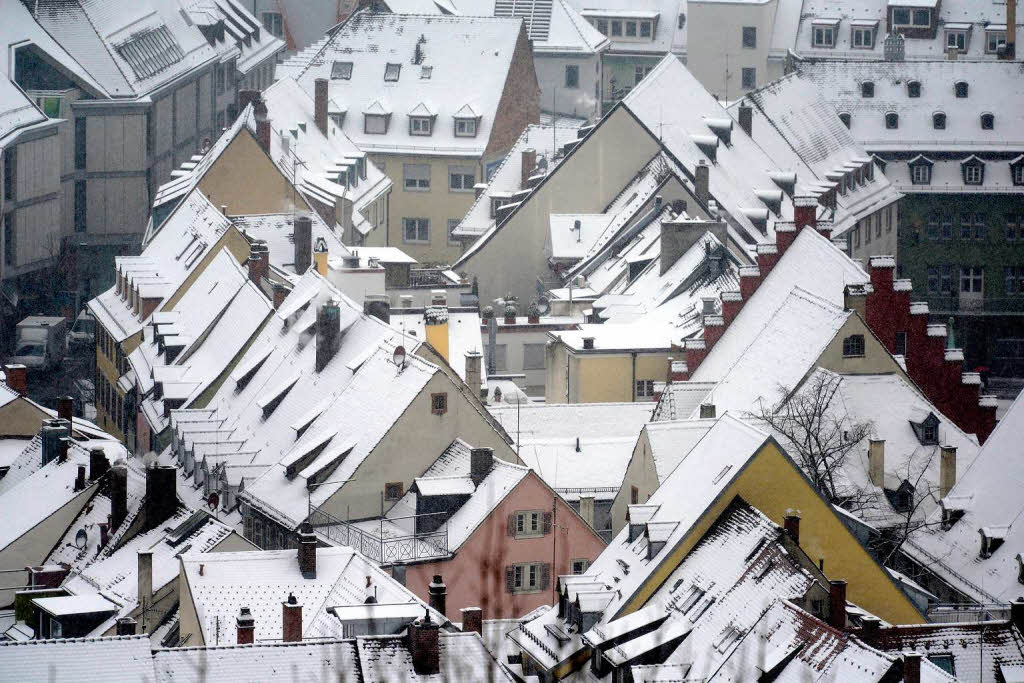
(520, 100)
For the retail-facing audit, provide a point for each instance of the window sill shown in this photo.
(860, 355)
(405, 241)
(416, 189)
(526, 591)
(460, 191)
(528, 535)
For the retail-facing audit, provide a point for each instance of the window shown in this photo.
(438, 403)
(864, 38)
(580, 566)
(878, 225)
(750, 37)
(900, 348)
(892, 120)
(272, 23)
(640, 72)
(845, 118)
(939, 121)
(80, 148)
(645, 388)
(960, 89)
(80, 204)
(9, 238)
(901, 17)
(416, 230)
(50, 106)
(10, 158)
(922, 18)
(1014, 279)
(452, 240)
(973, 174)
(393, 490)
(956, 39)
(947, 227)
(1018, 174)
(748, 78)
(616, 27)
(465, 128)
(375, 124)
(631, 29)
(634, 495)
(944, 662)
(533, 356)
(993, 39)
(602, 26)
(420, 125)
(645, 29)
(416, 177)
(341, 71)
(531, 523)
(921, 174)
(867, 89)
(988, 121)
(913, 88)
(500, 360)
(888, 219)
(391, 72)
(426, 71)
(853, 346)
(572, 76)
(528, 578)
(966, 225)
(856, 237)
(939, 279)
(221, 74)
(682, 20)
(972, 279)
(824, 36)
(1011, 227)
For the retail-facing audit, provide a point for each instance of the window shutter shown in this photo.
(547, 523)
(510, 579)
(545, 576)
(512, 525)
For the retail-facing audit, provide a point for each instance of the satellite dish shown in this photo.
(399, 356)
(81, 539)
(543, 305)
(213, 500)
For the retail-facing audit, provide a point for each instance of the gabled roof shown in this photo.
(243, 37)
(553, 26)
(671, 440)
(89, 660)
(667, 38)
(469, 59)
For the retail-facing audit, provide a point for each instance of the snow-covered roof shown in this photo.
(995, 87)
(992, 484)
(802, 134)
(968, 15)
(666, 36)
(243, 37)
(17, 111)
(278, 231)
(451, 61)
(464, 334)
(671, 440)
(681, 399)
(74, 660)
(65, 605)
(554, 26)
(575, 447)
(222, 583)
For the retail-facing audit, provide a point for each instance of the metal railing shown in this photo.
(955, 613)
(378, 547)
(428, 277)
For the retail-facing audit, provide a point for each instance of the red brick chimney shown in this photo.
(307, 551)
(17, 377)
(247, 627)
(472, 620)
(912, 667)
(529, 157)
(280, 294)
(805, 212)
(320, 104)
(425, 646)
(259, 261)
(791, 523)
(837, 604)
(291, 620)
(66, 408)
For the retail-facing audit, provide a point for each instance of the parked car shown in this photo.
(40, 342)
(83, 332)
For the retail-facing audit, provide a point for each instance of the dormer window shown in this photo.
(901, 499)
(426, 72)
(956, 39)
(863, 37)
(927, 430)
(994, 38)
(867, 89)
(853, 346)
(939, 121)
(1017, 170)
(465, 128)
(341, 71)
(420, 125)
(973, 170)
(992, 538)
(392, 72)
(960, 88)
(824, 34)
(845, 118)
(892, 120)
(988, 121)
(375, 124)
(906, 17)
(920, 170)
(913, 88)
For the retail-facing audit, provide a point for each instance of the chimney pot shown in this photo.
(746, 118)
(16, 377)
(438, 593)
(259, 261)
(307, 551)
(98, 463)
(472, 620)
(481, 461)
(80, 478)
(837, 604)
(303, 238)
(791, 523)
(291, 620)
(125, 626)
(246, 627)
(63, 447)
(65, 408)
(870, 628)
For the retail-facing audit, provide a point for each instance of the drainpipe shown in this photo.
(633, 354)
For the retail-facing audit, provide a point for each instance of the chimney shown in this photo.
(307, 551)
(63, 446)
(587, 510)
(320, 256)
(912, 667)
(379, 306)
(746, 118)
(588, 343)
(947, 470)
(161, 496)
(481, 461)
(280, 293)
(259, 261)
(1011, 31)
(837, 604)
(474, 372)
(118, 495)
(145, 585)
(702, 182)
(424, 646)
(529, 157)
(263, 133)
(98, 463)
(51, 434)
(1017, 613)
(303, 244)
(291, 620)
(876, 462)
(104, 534)
(246, 627)
(805, 212)
(870, 628)
(707, 411)
(791, 523)
(80, 478)
(328, 333)
(472, 620)
(125, 626)
(66, 408)
(320, 104)
(16, 377)
(438, 593)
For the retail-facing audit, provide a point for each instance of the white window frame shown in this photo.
(465, 128)
(644, 388)
(461, 178)
(973, 174)
(583, 564)
(921, 174)
(972, 279)
(992, 40)
(416, 177)
(863, 38)
(529, 523)
(421, 125)
(956, 38)
(375, 118)
(823, 35)
(1018, 174)
(420, 228)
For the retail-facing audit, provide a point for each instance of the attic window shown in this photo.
(465, 128)
(913, 88)
(988, 121)
(960, 88)
(927, 430)
(845, 118)
(853, 346)
(867, 89)
(1017, 171)
(420, 125)
(341, 71)
(375, 124)
(426, 72)
(438, 404)
(973, 171)
(939, 121)
(892, 120)
(991, 539)
(1020, 568)
(920, 171)
(824, 35)
(391, 72)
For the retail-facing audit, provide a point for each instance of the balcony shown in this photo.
(973, 305)
(385, 541)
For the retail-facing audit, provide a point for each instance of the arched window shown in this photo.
(845, 118)
(939, 120)
(867, 89)
(960, 89)
(913, 88)
(988, 121)
(853, 346)
(892, 120)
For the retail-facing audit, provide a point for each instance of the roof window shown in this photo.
(392, 72)
(845, 118)
(973, 170)
(988, 121)
(426, 72)
(341, 71)
(421, 125)
(892, 120)
(939, 121)
(867, 89)
(927, 430)
(913, 88)
(960, 88)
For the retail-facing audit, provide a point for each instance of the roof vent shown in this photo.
(708, 144)
(588, 343)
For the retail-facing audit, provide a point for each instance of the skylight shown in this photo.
(341, 71)
(391, 72)
(150, 52)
